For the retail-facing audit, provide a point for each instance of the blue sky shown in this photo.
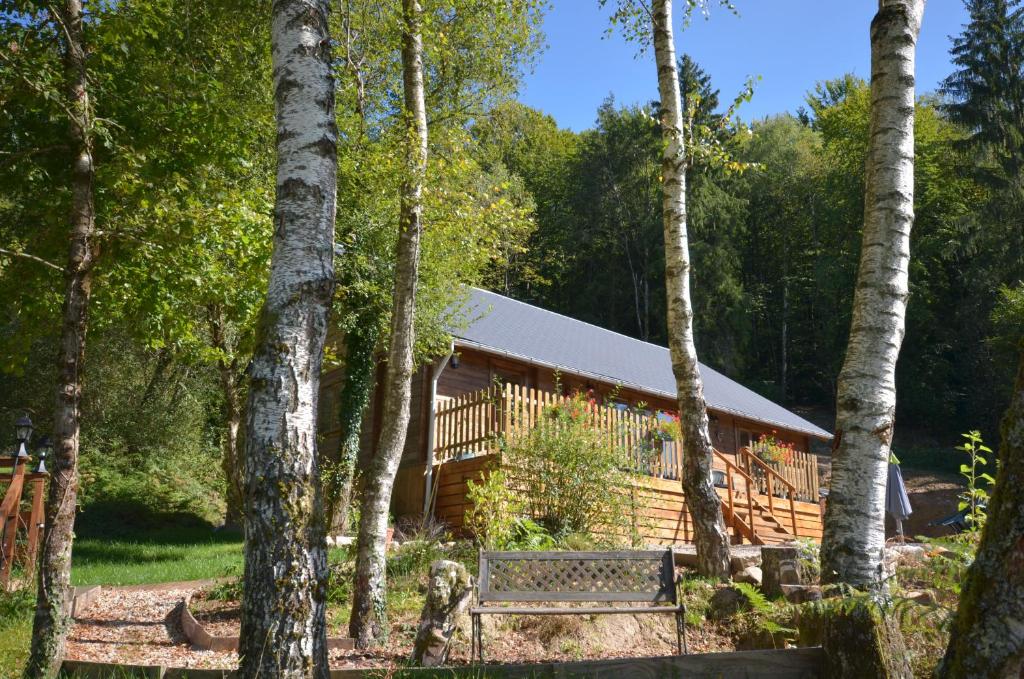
(791, 44)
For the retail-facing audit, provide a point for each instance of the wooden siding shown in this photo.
(662, 513)
(479, 370)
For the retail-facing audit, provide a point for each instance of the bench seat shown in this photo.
(622, 577)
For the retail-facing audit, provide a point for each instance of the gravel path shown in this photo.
(139, 625)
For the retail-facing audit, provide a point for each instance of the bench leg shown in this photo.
(477, 651)
(681, 631)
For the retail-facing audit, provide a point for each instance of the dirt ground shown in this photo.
(140, 626)
(933, 496)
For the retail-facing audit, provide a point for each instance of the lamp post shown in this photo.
(23, 432)
(45, 448)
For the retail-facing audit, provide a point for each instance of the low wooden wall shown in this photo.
(662, 517)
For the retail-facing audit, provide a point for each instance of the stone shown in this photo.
(924, 597)
(449, 593)
(779, 565)
(799, 594)
(743, 556)
(725, 603)
(751, 575)
(902, 556)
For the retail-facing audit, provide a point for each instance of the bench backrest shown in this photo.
(578, 576)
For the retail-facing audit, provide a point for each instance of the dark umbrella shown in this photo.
(897, 502)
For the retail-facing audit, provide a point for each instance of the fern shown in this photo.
(756, 600)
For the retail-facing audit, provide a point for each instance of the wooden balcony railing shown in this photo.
(470, 425)
(759, 500)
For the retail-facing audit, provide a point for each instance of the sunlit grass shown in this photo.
(166, 555)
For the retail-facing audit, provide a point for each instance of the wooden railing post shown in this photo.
(9, 510)
(792, 512)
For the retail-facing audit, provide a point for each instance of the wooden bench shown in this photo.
(592, 577)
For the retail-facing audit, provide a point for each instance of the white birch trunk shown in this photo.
(369, 620)
(854, 531)
(53, 602)
(283, 608)
(710, 533)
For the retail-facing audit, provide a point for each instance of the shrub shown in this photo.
(572, 476)
(975, 498)
(494, 509)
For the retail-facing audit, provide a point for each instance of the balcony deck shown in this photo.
(761, 503)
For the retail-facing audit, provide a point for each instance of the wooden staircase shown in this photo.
(756, 518)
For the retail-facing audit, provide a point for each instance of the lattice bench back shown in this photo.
(578, 576)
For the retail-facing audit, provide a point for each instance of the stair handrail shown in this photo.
(9, 516)
(730, 468)
(772, 473)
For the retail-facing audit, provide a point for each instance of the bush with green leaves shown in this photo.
(571, 476)
(975, 499)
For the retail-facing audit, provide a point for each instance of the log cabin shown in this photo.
(506, 354)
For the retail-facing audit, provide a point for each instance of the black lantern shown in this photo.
(45, 448)
(23, 429)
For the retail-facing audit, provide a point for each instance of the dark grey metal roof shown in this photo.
(501, 324)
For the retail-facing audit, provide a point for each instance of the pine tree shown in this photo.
(986, 92)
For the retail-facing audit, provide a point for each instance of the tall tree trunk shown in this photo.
(53, 604)
(360, 344)
(283, 607)
(710, 534)
(854, 531)
(231, 460)
(369, 618)
(987, 638)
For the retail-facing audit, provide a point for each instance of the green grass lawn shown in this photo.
(164, 555)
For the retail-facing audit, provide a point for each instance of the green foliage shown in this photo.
(761, 618)
(494, 509)
(15, 606)
(570, 476)
(976, 497)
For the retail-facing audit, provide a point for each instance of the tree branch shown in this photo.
(38, 260)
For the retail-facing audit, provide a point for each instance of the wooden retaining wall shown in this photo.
(663, 518)
(790, 663)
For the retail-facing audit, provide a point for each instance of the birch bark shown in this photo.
(710, 534)
(987, 637)
(854, 531)
(369, 619)
(53, 603)
(283, 607)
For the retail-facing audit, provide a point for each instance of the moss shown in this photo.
(860, 637)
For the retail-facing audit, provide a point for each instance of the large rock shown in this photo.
(902, 556)
(725, 603)
(780, 565)
(800, 594)
(448, 594)
(751, 575)
(742, 557)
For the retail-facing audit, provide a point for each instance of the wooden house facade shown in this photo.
(513, 355)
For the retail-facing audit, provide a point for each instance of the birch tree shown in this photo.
(854, 530)
(53, 604)
(710, 533)
(283, 609)
(369, 618)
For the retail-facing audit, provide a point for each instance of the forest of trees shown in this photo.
(775, 244)
(173, 134)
